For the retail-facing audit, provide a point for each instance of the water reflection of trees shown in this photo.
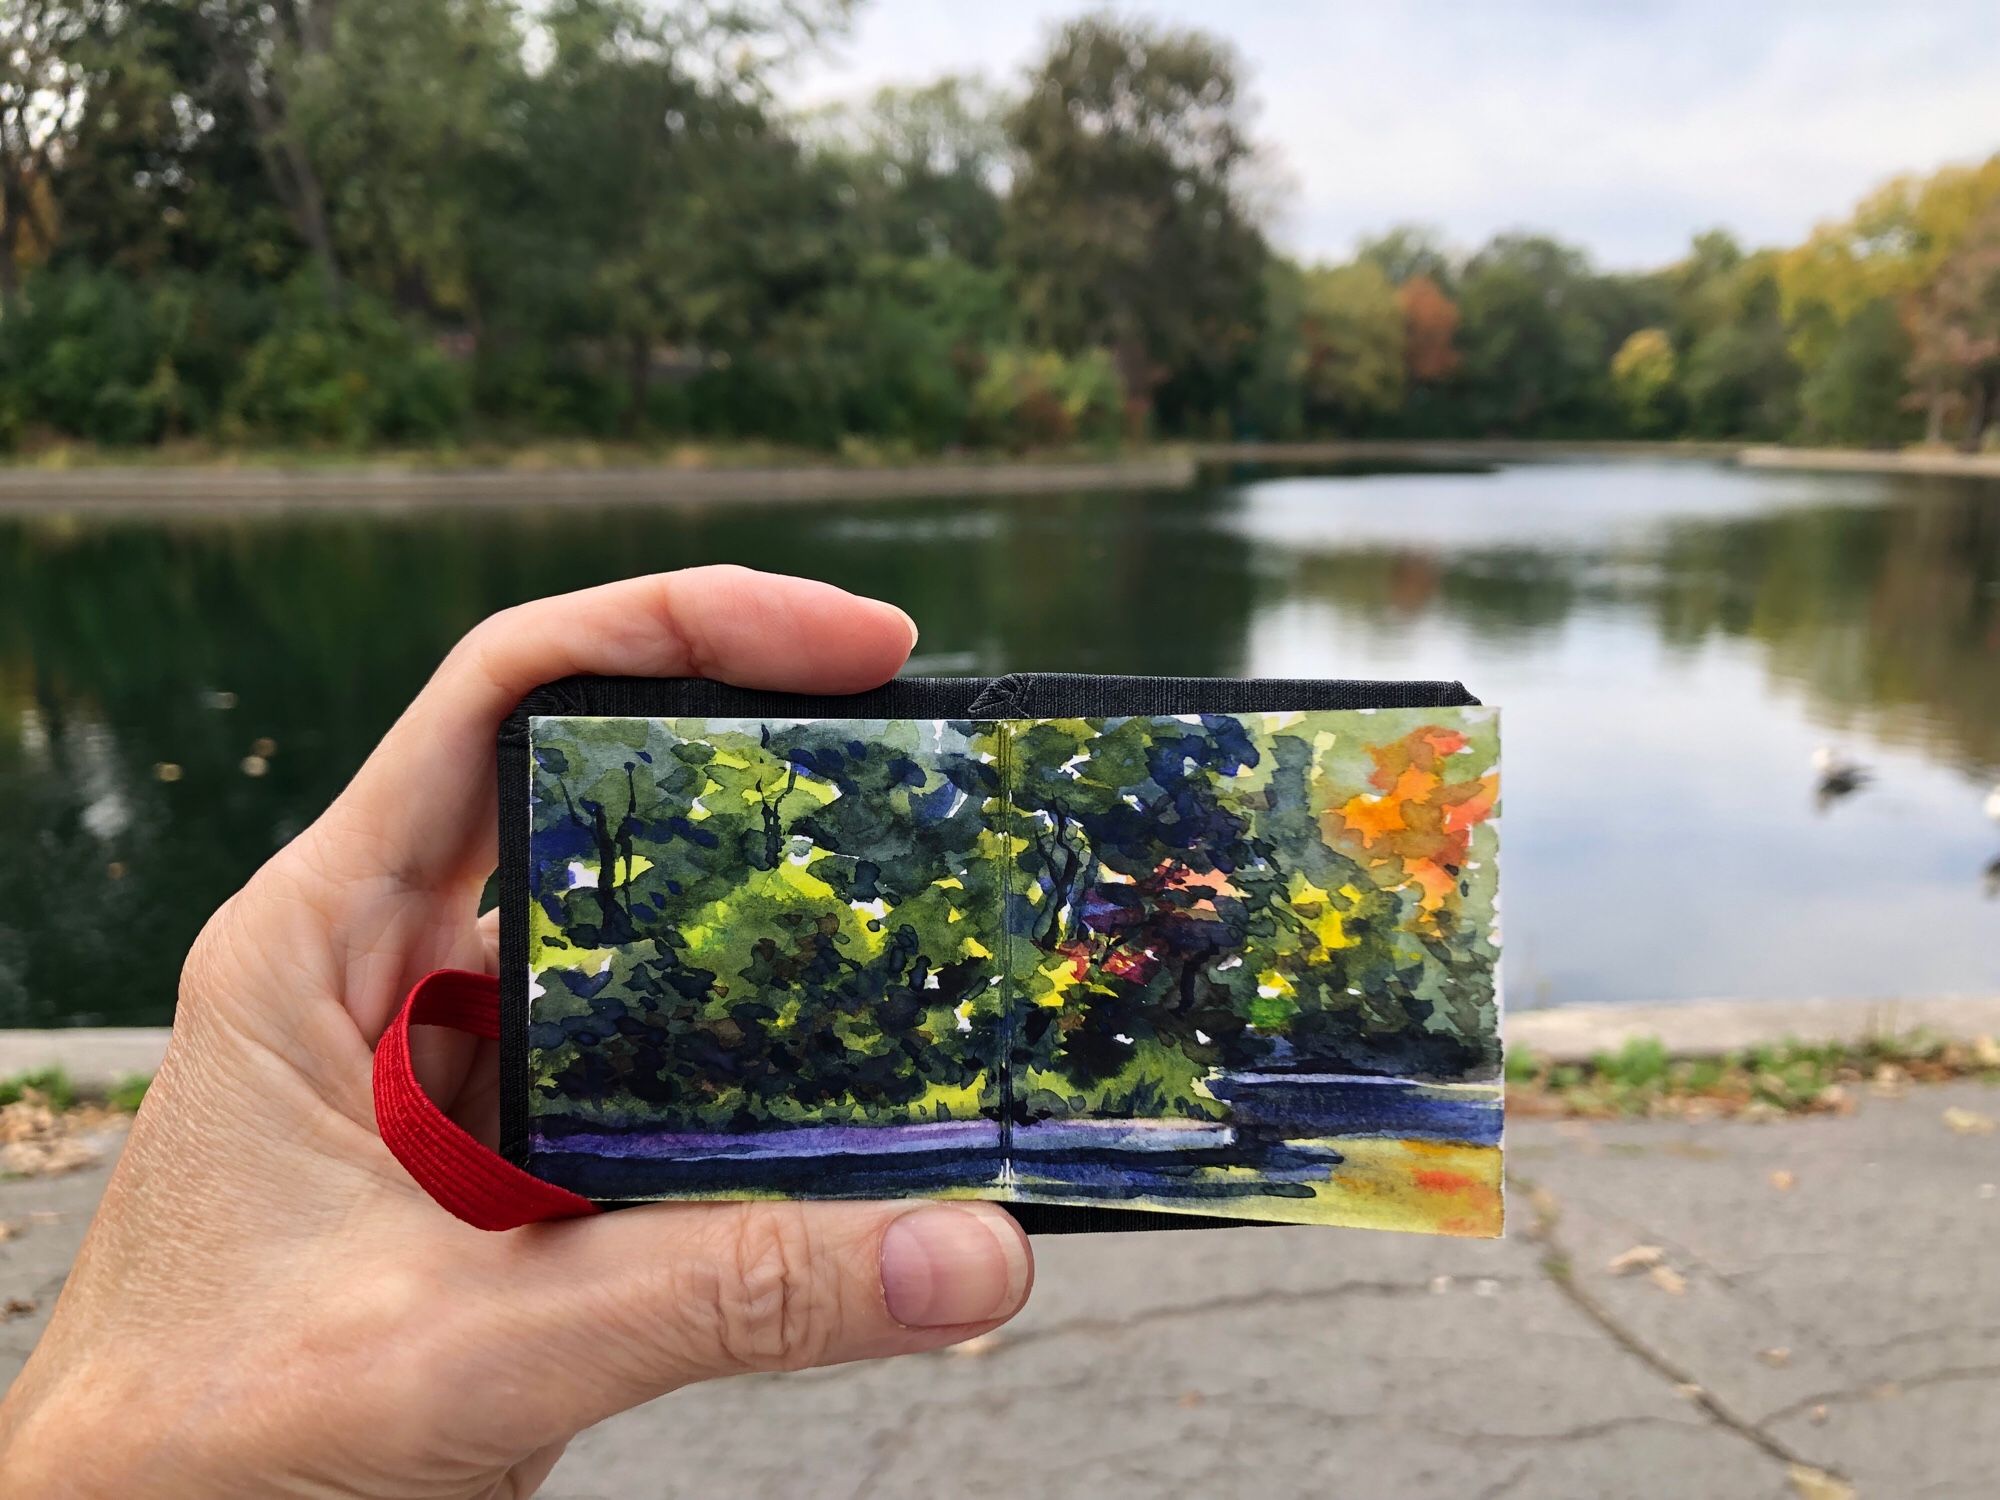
(323, 626)
(1888, 617)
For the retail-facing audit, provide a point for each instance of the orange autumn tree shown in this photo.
(1430, 326)
(1369, 939)
(1416, 828)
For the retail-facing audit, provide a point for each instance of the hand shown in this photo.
(267, 1305)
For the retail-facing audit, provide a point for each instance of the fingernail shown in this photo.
(909, 620)
(944, 1265)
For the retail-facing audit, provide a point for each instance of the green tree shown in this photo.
(1127, 227)
(1642, 377)
(1351, 345)
(1409, 251)
(924, 167)
(1535, 346)
(1856, 392)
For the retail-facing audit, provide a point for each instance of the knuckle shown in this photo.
(773, 1304)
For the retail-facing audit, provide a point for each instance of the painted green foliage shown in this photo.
(1262, 891)
(855, 921)
(788, 929)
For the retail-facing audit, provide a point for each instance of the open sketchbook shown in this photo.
(1239, 965)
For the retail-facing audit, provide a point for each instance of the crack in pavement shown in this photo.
(1556, 1266)
(1848, 1395)
(1005, 1342)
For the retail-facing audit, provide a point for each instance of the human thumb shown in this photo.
(626, 1306)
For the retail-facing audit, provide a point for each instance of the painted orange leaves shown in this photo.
(1419, 816)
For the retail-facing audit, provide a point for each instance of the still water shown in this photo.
(1669, 642)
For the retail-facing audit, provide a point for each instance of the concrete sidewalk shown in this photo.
(1838, 1309)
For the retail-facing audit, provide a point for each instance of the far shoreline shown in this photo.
(176, 482)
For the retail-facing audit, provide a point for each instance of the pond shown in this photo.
(1669, 642)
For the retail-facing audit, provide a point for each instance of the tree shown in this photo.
(1351, 345)
(647, 221)
(1127, 227)
(1737, 376)
(1642, 376)
(1535, 348)
(792, 914)
(46, 52)
(1430, 325)
(1855, 393)
(925, 168)
(1954, 327)
(1407, 252)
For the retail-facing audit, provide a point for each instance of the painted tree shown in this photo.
(748, 927)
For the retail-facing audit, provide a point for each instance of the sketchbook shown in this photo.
(1219, 965)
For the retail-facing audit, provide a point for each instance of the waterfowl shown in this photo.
(1839, 775)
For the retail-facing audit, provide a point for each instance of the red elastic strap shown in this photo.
(477, 1184)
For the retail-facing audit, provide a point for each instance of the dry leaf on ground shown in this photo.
(1668, 1280)
(1777, 1359)
(1783, 1181)
(1638, 1258)
(1809, 1483)
(37, 1140)
(1968, 1121)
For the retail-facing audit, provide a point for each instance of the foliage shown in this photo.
(595, 218)
(739, 925)
(1127, 228)
(1789, 1077)
(1028, 399)
(1642, 377)
(346, 373)
(1351, 356)
(1855, 393)
(1430, 327)
(51, 1085)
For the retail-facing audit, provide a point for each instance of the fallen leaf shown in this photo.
(1809, 1483)
(1668, 1280)
(1777, 1359)
(1968, 1121)
(1783, 1181)
(1690, 1390)
(1638, 1258)
(1817, 1416)
(17, 1307)
(7, 1231)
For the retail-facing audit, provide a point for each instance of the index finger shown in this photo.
(422, 809)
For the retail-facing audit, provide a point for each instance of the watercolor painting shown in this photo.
(1236, 965)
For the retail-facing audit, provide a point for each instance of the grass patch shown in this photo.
(58, 1091)
(1642, 1079)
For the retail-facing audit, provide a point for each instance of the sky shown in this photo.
(1621, 127)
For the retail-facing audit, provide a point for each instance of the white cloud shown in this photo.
(1623, 129)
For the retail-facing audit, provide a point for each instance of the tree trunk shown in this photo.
(640, 376)
(1934, 420)
(10, 266)
(1978, 401)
